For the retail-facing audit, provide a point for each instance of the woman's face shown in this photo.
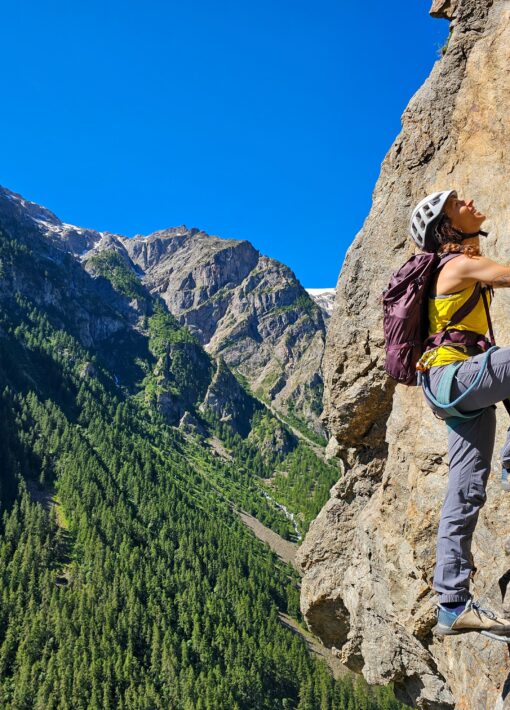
(463, 214)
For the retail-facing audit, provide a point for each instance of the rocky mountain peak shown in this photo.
(21, 215)
(31, 210)
(241, 304)
(324, 298)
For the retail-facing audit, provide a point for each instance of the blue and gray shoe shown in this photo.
(472, 618)
(505, 479)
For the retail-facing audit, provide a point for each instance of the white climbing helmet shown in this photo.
(425, 216)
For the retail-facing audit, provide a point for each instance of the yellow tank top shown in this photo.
(440, 310)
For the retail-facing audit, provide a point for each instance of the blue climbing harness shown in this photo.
(444, 388)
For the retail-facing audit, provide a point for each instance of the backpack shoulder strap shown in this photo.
(487, 313)
(466, 307)
(444, 258)
(441, 261)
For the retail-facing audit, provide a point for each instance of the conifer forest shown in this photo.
(127, 577)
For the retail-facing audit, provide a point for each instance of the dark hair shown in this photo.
(449, 239)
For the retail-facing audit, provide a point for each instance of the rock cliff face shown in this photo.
(244, 306)
(368, 558)
(228, 400)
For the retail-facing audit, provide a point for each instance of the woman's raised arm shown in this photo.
(484, 270)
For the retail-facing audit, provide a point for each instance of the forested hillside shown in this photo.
(127, 579)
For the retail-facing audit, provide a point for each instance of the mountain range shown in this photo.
(129, 454)
(159, 400)
(240, 304)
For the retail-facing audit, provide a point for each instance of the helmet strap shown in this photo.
(467, 235)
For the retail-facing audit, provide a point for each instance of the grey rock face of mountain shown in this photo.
(94, 308)
(244, 306)
(227, 399)
(369, 557)
(191, 425)
(173, 402)
(20, 215)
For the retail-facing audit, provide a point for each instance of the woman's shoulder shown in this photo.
(452, 277)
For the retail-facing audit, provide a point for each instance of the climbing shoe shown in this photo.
(505, 479)
(472, 618)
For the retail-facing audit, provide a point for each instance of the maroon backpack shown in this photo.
(405, 321)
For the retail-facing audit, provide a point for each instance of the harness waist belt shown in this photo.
(443, 399)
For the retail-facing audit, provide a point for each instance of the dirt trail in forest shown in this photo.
(315, 646)
(285, 550)
(47, 498)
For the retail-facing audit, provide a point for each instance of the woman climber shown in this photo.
(472, 376)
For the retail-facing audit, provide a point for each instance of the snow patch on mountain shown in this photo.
(324, 298)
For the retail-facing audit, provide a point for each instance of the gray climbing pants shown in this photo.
(470, 449)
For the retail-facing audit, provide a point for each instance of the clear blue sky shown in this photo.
(265, 121)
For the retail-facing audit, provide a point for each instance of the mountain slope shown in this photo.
(324, 298)
(139, 587)
(116, 322)
(245, 306)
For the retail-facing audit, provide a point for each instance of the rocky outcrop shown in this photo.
(180, 380)
(271, 438)
(88, 370)
(368, 558)
(247, 307)
(228, 400)
(191, 425)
